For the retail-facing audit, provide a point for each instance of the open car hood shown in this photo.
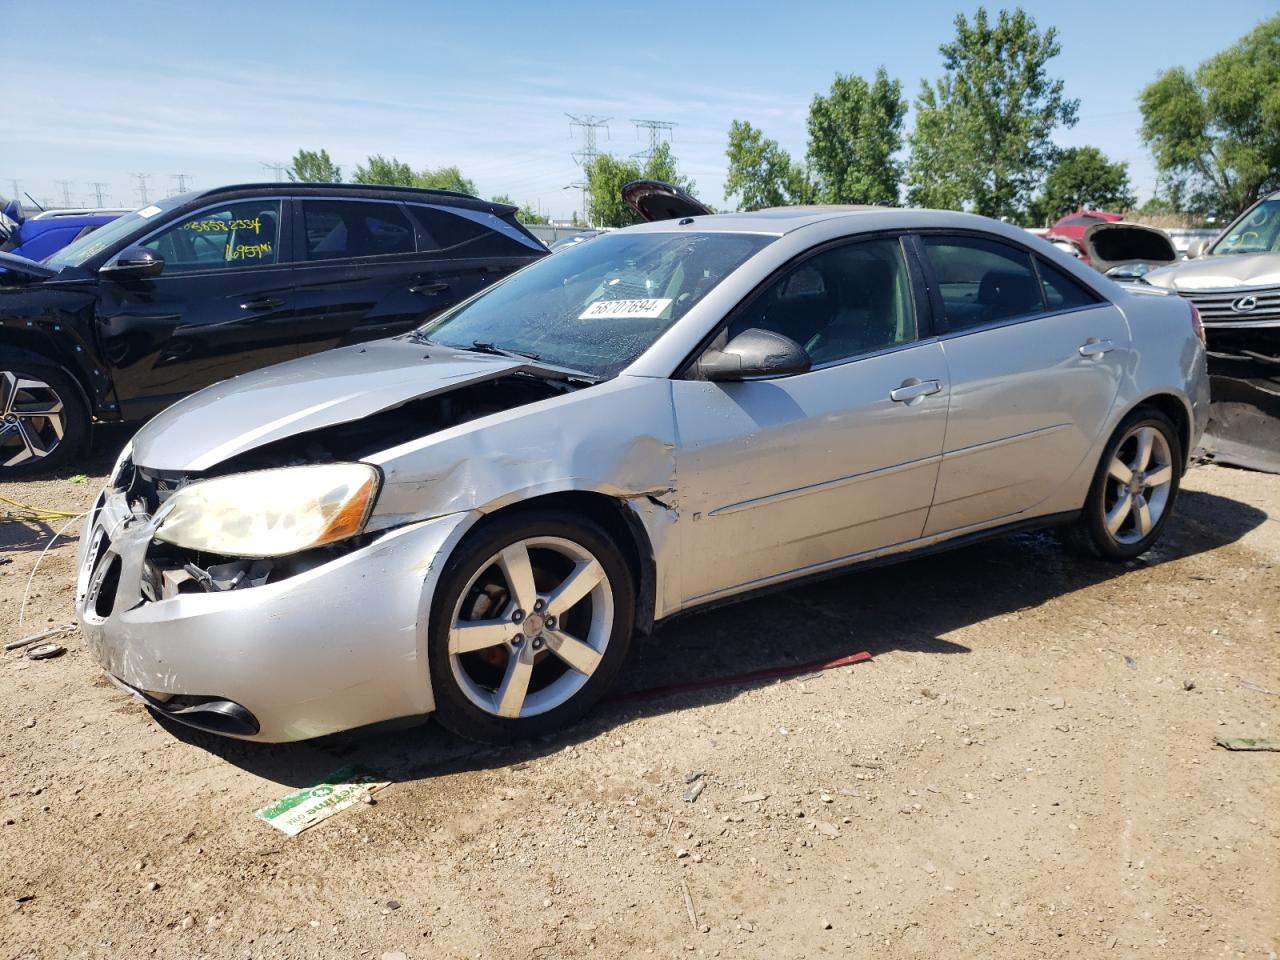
(1109, 245)
(336, 386)
(654, 200)
(15, 264)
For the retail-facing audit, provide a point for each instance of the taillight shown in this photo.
(1196, 323)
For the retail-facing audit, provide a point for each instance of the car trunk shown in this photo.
(654, 200)
(1109, 245)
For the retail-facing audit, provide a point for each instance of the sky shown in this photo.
(98, 91)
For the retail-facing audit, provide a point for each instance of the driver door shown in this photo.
(786, 476)
(221, 307)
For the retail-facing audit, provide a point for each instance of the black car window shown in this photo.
(337, 229)
(842, 303)
(1060, 291)
(242, 233)
(463, 234)
(982, 281)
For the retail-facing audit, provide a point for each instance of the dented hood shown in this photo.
(1225, 272)
(338, 386)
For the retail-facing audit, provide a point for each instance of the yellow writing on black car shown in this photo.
(249, 251)
(223, 226)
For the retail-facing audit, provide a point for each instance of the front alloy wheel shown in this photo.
(534, 619)
(32, 421)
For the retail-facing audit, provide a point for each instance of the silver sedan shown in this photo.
(475, 519)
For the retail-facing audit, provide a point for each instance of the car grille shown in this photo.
(1216, 306)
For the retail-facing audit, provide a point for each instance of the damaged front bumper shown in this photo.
(340, 645)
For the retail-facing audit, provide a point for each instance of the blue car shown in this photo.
(41, 234)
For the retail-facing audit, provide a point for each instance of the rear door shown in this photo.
(221, 306)
(1035, 360)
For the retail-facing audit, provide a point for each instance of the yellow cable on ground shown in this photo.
(29, 513)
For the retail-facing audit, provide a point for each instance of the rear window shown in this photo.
(1060, 291)
(470, 233)
(337, 229)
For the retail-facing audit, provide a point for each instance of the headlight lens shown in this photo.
(271, 513)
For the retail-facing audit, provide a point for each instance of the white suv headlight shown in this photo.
(271, 513)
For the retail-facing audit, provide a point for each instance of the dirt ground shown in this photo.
(1025, 769)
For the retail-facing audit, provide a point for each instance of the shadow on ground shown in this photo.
(909, 606)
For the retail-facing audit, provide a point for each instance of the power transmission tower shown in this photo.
(97, 191)
(141, 180)
(659, 131)
(588, 124)
(279, 168)
(17, 192)
(66, 191)
(182, 179)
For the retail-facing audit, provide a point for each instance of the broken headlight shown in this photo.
(271, 513)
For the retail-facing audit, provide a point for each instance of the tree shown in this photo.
(761, 173)
(854, 133)
(444, 178)
(524, 213)
(982, 135)
(1080, 177)
(1216, 133)
(385, 170)
(314, 166)
(607, 175)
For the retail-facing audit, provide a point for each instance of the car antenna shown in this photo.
(33, 200)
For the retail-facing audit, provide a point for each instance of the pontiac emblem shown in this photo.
(1244, 304)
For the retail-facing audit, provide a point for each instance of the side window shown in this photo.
(240, 234)
(467, 234)
(1060, 291)
(982, 281)
(842, 303)
(336, 229)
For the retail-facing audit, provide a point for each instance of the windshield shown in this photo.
(597, 306)
(1258, 231)
(77, 252)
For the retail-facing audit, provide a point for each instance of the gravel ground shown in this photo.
(1025, 769)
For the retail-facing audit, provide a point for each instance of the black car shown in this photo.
(203, 286)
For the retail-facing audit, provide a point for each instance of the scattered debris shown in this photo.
(688, 905)
(695, 791)
(753, 797)
(1254, 686)
(1188, 684)
(46, 651)
(681, 853)
(37, 637)
(302, 809)
(1249, 743)
(1057, 703)
(694, 775)
(826, 829)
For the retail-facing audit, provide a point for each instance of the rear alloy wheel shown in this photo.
(43, 422)
(533, 623)
(1134, 490)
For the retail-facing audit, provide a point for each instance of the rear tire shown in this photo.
(501, 672)
(44, 422)
(1134, 489)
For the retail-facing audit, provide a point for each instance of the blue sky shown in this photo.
(96, 91)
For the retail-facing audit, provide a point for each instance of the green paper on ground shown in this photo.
(305, 808)
(1248, 743)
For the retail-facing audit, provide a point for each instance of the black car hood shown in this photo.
(337, 386)
(30, 268)
(654, 200)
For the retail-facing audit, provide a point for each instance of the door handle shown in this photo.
(430, 288)
(913, 391)
(1095, 348)
(262, 303)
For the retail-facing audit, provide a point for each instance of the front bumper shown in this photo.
(336, 647)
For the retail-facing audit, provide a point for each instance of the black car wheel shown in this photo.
(531, 624)
(43, 419)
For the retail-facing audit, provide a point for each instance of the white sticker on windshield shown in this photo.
(150, 211)
(648, 309)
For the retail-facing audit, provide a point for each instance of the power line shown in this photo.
(66, 191)
(141, 180)
(97, 191)
(182, 179)
(279, 168)
(659, 131)
(588, 124)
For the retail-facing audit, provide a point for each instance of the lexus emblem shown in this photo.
(1244, 304)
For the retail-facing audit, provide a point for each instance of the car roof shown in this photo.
(370, 191)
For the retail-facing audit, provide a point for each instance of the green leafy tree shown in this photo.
(607, 175)
(1216, 133)
(314, 166)
(854, 133)
(1080, 177)
(525, 213)
(982, 139)
(761, 173)
(385, 170)
(444, 178)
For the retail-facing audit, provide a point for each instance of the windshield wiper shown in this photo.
(481, 346)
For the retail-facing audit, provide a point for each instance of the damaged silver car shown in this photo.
(475, 519)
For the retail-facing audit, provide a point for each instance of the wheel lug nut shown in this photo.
(517, 617)
(538, 604)
(537, 644)
(551, 622)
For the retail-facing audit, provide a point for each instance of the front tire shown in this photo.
(531, 624)
(44, 423)
(1134, 489)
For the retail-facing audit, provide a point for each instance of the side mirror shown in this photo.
(1196, 248)
(754, 355)
(133, 263)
